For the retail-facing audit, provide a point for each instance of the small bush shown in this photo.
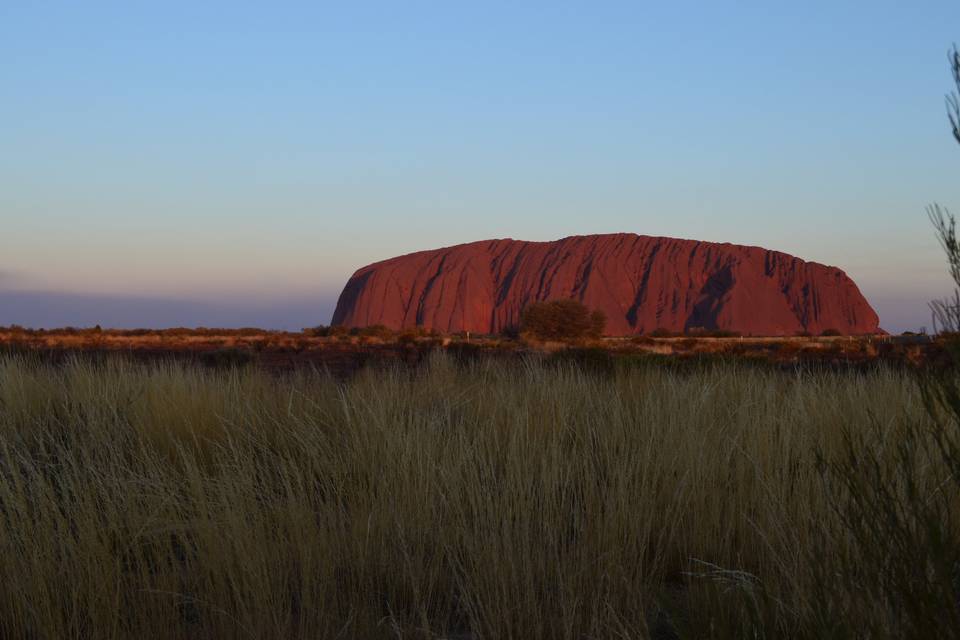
(830, 333)
(12, 328)
(562, 320)
(337, 330)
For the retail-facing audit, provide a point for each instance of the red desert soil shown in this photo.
(642, 283)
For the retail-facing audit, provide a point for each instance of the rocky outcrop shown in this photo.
(642, 283)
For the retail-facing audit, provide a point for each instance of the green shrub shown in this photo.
(562, 320)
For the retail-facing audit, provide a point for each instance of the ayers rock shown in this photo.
(642, 283)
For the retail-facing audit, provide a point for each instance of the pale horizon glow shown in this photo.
(193, 165)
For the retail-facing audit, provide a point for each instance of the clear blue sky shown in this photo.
(230, 163)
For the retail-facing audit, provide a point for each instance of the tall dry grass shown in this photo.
(486, 500)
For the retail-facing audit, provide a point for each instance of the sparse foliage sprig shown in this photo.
(953, 99)
(946, 312)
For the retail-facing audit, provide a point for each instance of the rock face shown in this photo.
(642, 283)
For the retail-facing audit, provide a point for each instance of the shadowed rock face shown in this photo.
(642, 283)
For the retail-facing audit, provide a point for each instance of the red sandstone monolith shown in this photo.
(642, 283)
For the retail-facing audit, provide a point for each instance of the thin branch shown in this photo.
(953, 99)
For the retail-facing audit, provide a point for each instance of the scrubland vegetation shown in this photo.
(582, 493)
(345, 351)
(477, 498)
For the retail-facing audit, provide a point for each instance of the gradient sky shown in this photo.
(225, 163)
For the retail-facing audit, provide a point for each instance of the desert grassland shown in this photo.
(486, 499)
